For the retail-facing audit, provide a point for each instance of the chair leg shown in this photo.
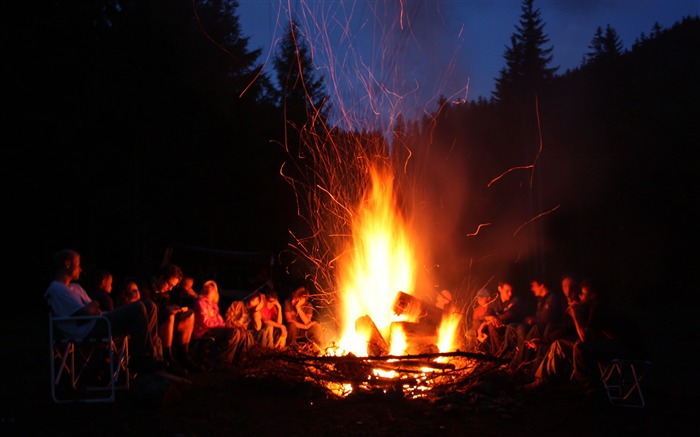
(622, 381)
(71, 362)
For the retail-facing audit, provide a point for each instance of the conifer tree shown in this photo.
(526, 77)
(526, 71)
(302, 98)
(604, 46)
(300, 92)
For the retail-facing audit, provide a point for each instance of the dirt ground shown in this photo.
(231, 403)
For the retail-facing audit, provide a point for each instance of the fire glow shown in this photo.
(364, 245)
(380, 262)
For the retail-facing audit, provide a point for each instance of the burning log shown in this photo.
(480, 357)
(424, 318)
(414, 366)
(421, 326)
(376, 345)
(410, 375)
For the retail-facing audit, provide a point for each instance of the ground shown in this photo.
(228, 402)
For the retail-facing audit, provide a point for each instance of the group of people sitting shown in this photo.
(164, 315)
(571, 331)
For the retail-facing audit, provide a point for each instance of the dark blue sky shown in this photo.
(379, 59)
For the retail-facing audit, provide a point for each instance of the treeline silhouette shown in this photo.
(135, 125)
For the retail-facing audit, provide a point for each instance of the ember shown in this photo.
(413, 376)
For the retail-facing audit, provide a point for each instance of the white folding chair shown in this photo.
(87, 369)
(622, 381)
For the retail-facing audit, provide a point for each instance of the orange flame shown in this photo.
(380, 262)
(448, 340)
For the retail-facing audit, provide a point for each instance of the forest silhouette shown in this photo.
(149, 125)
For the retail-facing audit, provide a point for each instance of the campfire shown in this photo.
(367, 242)
(390, 340)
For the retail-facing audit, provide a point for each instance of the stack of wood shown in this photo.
(420, 328)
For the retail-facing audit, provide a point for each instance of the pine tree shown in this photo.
(300, 92)
(526, 77)
(526, 72)
(604, 46)
(302, 97)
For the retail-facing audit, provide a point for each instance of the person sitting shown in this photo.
(504, 315)
(531, 344)
(175, 322)
(571, 289)
(298, 316)
(101, 289)
(183, 293)
(444, 301)
(244, 315)
(566, 329)
(128, 292)
(67, 298)
(229, 342)
(275, 336)
(478, 332)
(604, 332)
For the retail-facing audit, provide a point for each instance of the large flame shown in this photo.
(380, 262)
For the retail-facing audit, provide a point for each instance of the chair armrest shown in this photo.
(54, 323)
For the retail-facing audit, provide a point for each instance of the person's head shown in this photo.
(210, 290)
(130, 291)
(443, 299)
(591, 291)
(255, 300)
(103, 280)
(538, 287)
(270, 298)
(66, 265)
(187, 282)
(505, 291)
(300, 294)
(570, 288)
(168, 277)
(483, 297)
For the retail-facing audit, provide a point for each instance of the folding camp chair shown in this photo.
(87, 369)
(622, 381)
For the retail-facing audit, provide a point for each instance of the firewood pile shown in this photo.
(427, 376)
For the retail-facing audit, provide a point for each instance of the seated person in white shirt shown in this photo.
(66, 298)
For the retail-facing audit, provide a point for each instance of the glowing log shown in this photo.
(414, 366)
(426, 316)
(376, 345)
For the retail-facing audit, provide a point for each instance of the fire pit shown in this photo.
(413, 376)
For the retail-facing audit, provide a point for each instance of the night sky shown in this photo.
(433, 47)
